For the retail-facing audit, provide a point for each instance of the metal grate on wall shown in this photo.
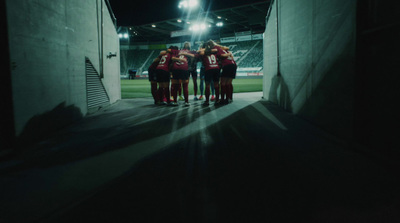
(95, 91)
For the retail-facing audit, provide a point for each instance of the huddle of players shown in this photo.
(219, 66)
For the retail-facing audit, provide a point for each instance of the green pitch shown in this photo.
(141, 88)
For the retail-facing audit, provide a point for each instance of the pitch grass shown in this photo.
(140, 88)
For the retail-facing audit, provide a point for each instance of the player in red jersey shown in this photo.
(228, 66)
(193, 67)
(180, 73)
(172, 50)
(153, 79)
(163, 75)
(212, 69)
(227, 75)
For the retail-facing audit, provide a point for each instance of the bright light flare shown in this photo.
(188, 4)
(123, 35)
(193, 3)
(198, 27)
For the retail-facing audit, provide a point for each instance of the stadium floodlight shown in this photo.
(193, 3)
(182, 4)
(123, 36)
(220, 24)
(198, 27)
(188, 4)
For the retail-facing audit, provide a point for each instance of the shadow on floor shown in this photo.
(245, 168)
(95, 135)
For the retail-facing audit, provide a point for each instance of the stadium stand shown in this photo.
(254, 56)
(135, 59)
(247, 54)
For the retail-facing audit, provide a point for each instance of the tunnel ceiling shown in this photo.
(249, 17)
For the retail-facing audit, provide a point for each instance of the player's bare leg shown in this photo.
(230, 91)
(224, 82)
(174, 88)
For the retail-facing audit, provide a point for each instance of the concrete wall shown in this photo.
(377, 79)
(271, 86)
(315, 79)
(49, 41)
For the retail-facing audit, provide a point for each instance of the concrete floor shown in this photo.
(248, 161)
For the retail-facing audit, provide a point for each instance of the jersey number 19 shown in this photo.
(212, 59)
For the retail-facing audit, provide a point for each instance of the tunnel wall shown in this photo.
(49, 41)
(377, 79)
(314, 76)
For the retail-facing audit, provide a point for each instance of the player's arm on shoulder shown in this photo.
(177, 59)
(229, 54)
(186, 54)
(223, 47)
(201, 51)
(173, 51)
(182, 60)
(162, 53)
(210, 51)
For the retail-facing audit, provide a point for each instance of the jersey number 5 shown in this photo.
(163, 60)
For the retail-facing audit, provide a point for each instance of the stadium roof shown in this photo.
(247, 18)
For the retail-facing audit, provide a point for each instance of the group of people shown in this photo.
(176, 66)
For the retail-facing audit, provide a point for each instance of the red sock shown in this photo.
(180, 89)
(186, 92)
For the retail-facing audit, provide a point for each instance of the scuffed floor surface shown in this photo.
(248, 161)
